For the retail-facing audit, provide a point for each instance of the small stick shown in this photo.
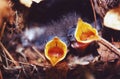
(6, 51)
(110, 46)
(6, 59)
(94, 13)
(38, 52)
(2, 31)
(1, 75)
(16, 19)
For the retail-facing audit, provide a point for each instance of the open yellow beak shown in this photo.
(55, 50)
(85, 33)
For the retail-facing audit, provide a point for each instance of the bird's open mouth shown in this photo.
(55, 50)
(85, 33)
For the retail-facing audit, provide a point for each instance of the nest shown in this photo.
(28, 62)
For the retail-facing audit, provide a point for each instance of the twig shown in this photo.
(24, 71)
(19, 74)
(1, 75)
(6, 59)
(18, 62)
(110, 46)
(16, 19)
(97, 58)
(38, 52)
(94, 13)
(2, 31)
(12, 68)
(6, 51)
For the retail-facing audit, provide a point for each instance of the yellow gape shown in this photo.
(55, 50)
(85, 33)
